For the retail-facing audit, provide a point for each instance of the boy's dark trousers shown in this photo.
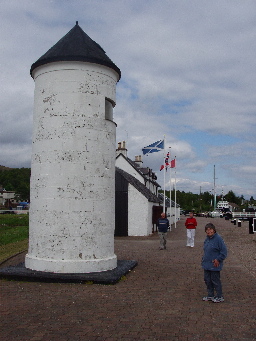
(212, 281)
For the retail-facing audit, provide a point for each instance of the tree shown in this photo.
(16, 179)
(231, 197)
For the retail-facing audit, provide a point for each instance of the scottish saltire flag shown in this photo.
(154, 147)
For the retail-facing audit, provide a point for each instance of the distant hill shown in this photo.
(3, 168)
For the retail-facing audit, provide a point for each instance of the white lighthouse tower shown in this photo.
(72, 214)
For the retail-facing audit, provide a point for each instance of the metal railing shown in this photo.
(243, 214)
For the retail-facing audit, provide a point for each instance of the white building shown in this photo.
(224, 205)
(7, 197)
(72, 211)
(138, 204)
(172, 209)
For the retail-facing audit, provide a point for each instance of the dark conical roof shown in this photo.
(76, 45)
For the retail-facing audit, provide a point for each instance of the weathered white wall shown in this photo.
(173, 214)
(73, 170)
(140, 214)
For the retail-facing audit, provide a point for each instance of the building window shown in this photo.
(108, 110)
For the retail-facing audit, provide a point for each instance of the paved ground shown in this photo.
(159, 300)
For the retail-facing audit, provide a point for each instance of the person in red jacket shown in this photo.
(191, 225)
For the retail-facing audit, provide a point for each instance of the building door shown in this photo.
(121, 221)
(121, 206)
(156, 213)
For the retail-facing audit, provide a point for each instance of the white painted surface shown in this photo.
(140, 213)
(123, 164)
(173, 214)
(72, 212)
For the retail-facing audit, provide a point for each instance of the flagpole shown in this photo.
(164, 176)
(175, 196)
(170, 191)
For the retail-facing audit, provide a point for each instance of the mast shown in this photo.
(214, 191)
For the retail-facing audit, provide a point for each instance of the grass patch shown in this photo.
(13, 228)
(11, 249)
(14, 233)
(14, 220)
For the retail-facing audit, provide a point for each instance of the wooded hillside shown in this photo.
(16, 179)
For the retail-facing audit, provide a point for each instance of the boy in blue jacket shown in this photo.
(162, 225)
(215, 251)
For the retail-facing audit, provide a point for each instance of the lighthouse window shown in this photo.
(108, 110)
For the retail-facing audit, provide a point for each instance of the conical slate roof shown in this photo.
(76, 45)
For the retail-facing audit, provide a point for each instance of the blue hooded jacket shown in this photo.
(214, 248)
(163, 224)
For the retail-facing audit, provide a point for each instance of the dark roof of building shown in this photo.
(139, 186)
(76, 45)
(167, 200)
(142, 171)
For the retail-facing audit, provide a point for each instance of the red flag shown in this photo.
(173, 163)
(166, 161)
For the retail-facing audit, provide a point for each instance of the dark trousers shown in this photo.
(212, 281)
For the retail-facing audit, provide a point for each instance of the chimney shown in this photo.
(138, 161)
(121, 149)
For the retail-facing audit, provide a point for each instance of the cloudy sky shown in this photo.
(188, 73)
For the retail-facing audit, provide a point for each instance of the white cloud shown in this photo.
(188, 72)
